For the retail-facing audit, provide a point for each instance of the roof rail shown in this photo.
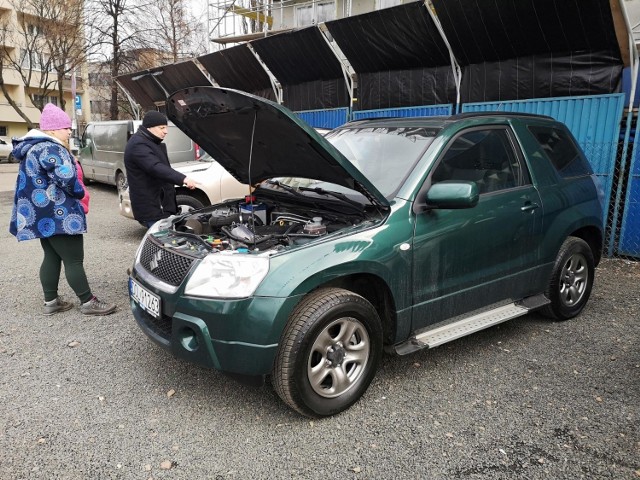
(499, 114)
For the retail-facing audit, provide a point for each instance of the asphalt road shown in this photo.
(93, 398)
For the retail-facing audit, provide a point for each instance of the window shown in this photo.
(35, 61)
(33, 30)
(562, 151)
(483, 156)
(46, 99)
(25, 60)
(314, 13)
(3, 131)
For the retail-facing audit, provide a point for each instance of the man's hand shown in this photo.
(190, 183)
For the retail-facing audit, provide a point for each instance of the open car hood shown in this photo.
(256, 139)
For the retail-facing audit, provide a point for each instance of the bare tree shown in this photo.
(32, 59)
(176, 30)
(50, 44)
(6, 61)
(119, 28)
(64, 37)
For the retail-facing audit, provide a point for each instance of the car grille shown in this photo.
(169, 266)
(160, 326)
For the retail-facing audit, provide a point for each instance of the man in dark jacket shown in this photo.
(151, 179)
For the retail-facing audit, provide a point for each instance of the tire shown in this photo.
(328, 353)
(571, 280)
(187, 203)
(12, 159)
(121, 182)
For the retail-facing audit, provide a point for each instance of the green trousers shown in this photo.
(67, 250)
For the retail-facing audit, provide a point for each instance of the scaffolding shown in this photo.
(236, 21)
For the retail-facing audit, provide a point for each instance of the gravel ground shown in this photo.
(93, 398)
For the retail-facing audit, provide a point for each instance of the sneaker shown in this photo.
(97, 307)
(55, 306)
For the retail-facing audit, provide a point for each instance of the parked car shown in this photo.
(413, 232)
(6, 147)
(215, 185)
(102, 150)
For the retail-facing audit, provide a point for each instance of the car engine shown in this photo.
(261, 226)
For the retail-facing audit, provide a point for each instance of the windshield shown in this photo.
(385, 155)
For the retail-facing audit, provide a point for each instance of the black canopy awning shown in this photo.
(532, 48)
(399, 56)
(489, 30)
(397, 38)
(238, 68)
(150, 88)
(308, 70)
(506, 49)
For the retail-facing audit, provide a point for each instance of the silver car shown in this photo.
(215, 186)
(5, 150)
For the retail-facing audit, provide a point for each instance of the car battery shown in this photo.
(258, 209)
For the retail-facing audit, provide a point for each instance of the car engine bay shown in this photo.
(257, 225)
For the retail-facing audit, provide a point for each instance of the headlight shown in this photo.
(227, 276)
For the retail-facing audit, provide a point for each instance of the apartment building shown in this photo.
(41, 84)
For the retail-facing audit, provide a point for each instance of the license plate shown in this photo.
(148, 301)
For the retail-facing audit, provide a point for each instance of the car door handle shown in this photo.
(529, 207)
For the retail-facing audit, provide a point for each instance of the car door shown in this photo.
(469, 258)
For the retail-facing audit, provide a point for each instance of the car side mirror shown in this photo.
(452, 194)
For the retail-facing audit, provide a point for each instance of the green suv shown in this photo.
(386, 235)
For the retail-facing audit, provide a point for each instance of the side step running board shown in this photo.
(466, 326)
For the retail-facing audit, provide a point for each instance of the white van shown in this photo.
(102, 150)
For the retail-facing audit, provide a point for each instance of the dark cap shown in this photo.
(153, 119)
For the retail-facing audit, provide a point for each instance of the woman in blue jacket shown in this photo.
(47, 206)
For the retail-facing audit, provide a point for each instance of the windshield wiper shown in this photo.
(338, 195)
(284, 186)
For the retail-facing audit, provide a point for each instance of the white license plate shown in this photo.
(148, 301)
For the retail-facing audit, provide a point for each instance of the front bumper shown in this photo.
(235, 336)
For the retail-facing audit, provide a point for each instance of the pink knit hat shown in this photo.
(54, 118)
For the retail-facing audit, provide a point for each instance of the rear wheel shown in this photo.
(328, 353)
(187, 203)
(12, 159)
(571, 280)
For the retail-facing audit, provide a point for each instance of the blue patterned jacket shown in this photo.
(48, 193)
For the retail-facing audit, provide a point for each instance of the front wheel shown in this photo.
(329, 352)
(12, 159)
(187, 203)
(571, 280)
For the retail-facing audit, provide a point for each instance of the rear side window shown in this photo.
(562, 151)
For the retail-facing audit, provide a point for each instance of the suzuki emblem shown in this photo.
(153, 264)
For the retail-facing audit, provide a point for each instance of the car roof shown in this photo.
(442, 121)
